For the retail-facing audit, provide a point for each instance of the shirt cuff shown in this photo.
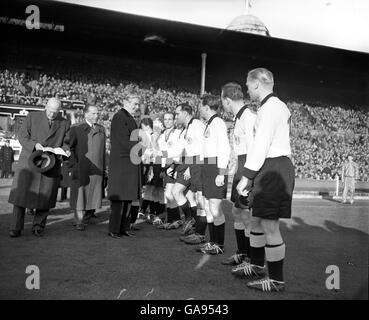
(249, 174)
(222, 171)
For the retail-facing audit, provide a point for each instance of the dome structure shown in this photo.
(249, 24)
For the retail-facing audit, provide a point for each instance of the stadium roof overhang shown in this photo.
(120, 33)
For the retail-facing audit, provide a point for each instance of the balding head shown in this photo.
(53, 108)
(260, 82)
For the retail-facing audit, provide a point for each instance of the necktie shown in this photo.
(50, 123)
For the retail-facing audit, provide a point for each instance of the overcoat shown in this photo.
(32, 189)
(87, 162)
(124, 179)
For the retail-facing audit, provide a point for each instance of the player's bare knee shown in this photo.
(236, 213)
(270, 227)
(256, 225)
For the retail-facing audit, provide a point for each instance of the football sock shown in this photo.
(194, 212)
(200, 225)
(176, 214)
(257, 251)
(186, 210)
(239, 229)
(247, 241)
(211, 232)
(274, 255)
(144, 206)
(219, 226)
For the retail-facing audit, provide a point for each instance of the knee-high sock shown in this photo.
(194, 212)
(247, 241)
(212, 235)
(152, 207)
(274, 255)
(219, 226)
(257, 251)
(176, 214)
(186, 210)
(239, 229)
(159, 208)
(144, 206)
(200, 225)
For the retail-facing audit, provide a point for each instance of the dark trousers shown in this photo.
(118, 216)
(83, 216)
(17, 221)
(63, 193)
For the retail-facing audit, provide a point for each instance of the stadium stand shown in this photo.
(322, 135)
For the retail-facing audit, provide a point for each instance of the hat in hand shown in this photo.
(41, 161)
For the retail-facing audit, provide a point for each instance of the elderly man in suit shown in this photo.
(87, 145)
(124, 181)
(38, 190)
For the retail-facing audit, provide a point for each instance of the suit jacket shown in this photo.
(87, 161)
(33, 189)
(124, 181)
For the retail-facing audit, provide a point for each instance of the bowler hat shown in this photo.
(41, 161)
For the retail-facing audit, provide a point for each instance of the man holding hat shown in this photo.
(36, 179)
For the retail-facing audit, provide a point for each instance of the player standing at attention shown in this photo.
(232, 101)
(167, 142)
(214, 172)
(268, 179)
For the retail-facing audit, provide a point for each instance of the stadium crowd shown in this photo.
(322, 136)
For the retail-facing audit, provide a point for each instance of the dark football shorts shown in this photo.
(169, 178)
(235, 197)
(271, 194)
(194, 183)
(209, 188)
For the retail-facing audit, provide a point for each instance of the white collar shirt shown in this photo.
(271, 133)
(243, 132)
(216, 142)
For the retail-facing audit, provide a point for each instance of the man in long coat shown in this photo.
(124, 181)
(87, 145)
(32, 189)
(6, 159)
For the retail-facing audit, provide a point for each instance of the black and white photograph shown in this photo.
(183, 156)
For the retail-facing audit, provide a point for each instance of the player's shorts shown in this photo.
(169, 178)
(209, 188)
(194, 183)
(235, 197)
(271, 194)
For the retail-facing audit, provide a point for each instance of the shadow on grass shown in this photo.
(312, 248)
(91, 265)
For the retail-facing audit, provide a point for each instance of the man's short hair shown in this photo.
(261, 74)
(168, 112)
(147, 122)
(233, 91)
(186, 107)
(210, 100)
(131, 96)
(87, 107)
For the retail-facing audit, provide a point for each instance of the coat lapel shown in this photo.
(55, 126)
(44, 124)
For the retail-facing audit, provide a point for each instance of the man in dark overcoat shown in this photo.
(6, 159)
(87, 145)
(33, 189)
(124, 181)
